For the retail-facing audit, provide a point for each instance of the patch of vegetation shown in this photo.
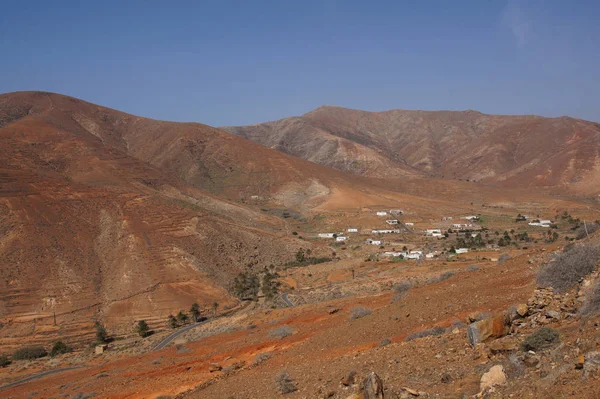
(195, 312)
(172, 322)
(472, 268)
(281, 332)
(29, 353)
(442, 277)
(304, 259)
(430, 332)
(83, 395)
(4, 361)
(262, 357)
(470, 242)
(59, 348)
(270, 285)
(101, 334)
(246, 285)
(142, 329)
(401, 287)
(359, 312)
(182, 318)
(385, 342)
(570, 266)
(285, 383)
(541, 339)
(503, 258)
(585, 229)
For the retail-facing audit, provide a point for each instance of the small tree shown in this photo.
(215, 306)
(182, 317)
(59, 348)
(101, 335)
(142, 328)
(4, 361)
(300, 256)
(172, 322)
(195, 311)
(270, 285)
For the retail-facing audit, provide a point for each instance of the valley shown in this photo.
(318, 249)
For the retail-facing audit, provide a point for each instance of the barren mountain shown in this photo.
(88, 231)
(519, 151)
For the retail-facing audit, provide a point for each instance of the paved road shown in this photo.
(162, 344)
(37, 376)
(286, 300)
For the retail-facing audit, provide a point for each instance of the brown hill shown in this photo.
(90, 232)
(521, 151)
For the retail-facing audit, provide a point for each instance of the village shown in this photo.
(413, 238)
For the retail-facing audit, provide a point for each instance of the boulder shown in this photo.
(504, 344)
(496, 326)
(552, 314)
(495, 376)
(522, 309)
(373, 387)
(531, 359)
(348, 379)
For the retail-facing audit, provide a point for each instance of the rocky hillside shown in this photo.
(88, 231)
(518, 151)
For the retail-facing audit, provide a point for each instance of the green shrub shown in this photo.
(101, 335)
(4, 361)
(281, 332)
(541, 339)
(142, 328)
(59, 348)
(29, 353)
(285, 383)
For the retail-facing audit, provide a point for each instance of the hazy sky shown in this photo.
(241, 62)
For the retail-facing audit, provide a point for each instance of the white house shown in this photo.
(326, 235)
(431, 232)
(462, 250)
(409, 224)
(392, 253)
(385, 231)
(447, 218)
(430, 255)
(471, 218)
(543, 222)
(396, 212)
(381, 213)
(413, 255)
(392, 221)
(352, 230)
(374, 242)
(341, 238)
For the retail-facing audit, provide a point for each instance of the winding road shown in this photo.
(37, 376)
(167, 340)
(286, 300)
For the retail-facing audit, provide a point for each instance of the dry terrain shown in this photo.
(115, 218)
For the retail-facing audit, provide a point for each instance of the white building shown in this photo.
(471, 218)
(381, 213)
(326, 235)
(409, 224)
(341, 238)
(462, 250)
(385, 231)
(374, 242)
(392, 221)
(396, 212)
(352, 230)
(433, 232)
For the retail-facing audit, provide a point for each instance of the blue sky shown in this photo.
(242, 62)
